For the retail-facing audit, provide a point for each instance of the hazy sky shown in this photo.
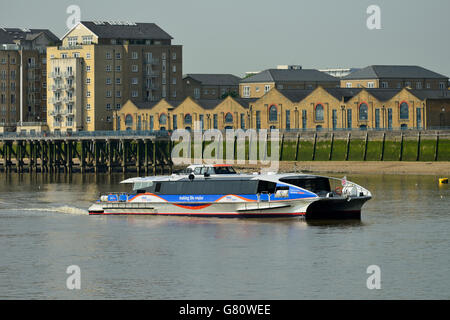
(235, 36)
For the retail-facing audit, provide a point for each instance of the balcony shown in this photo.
(33, 65)
(152, 74)
(152, 61)
(33, 90)
(152, 86)
(68, 74)
(68, 99)
(56, 87)
(55, 100)
(68, 87)
(55, 75)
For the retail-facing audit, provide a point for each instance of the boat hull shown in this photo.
(312, 208)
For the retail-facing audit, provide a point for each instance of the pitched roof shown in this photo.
(214, 79)
(393, 72)
(126, 30)
(151, 104)
(10, 35)
(431, 94)
(276, 75)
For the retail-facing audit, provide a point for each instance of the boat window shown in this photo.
(266, 186)
(313, 184)
(158, 187)
(198, 170)
(142, 185)
(208, 187)
(224, 170)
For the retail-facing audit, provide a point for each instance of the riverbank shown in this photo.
(441, 168)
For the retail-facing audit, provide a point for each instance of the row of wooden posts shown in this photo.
(89, 155)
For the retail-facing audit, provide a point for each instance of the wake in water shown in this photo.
(62, 209)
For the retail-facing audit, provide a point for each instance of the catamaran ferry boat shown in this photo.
(237, 195)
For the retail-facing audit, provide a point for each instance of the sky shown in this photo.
(236, 36)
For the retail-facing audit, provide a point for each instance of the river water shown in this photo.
(44, 229)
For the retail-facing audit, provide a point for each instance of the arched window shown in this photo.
(363, 112)
(403, 126)
(404, 111)
(163, 119)
(229, 118)
(273, 113)
(128, 120)
(318, 127)
(363, 127)
(188, 119)
(319, 112)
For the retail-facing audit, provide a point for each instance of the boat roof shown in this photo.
(274, 177)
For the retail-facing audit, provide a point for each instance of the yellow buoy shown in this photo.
(443, 180)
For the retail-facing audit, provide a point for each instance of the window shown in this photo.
(334, 118)
(288, 119)
(348, 85)
(88, 68)
(118, 56)
(188, 119)
(87, 39)
(389, 118)
(134, 81)
(363, 112)
(118, 106)
(76, 54)
(88, 106)
(118, 94)
(441, 85)
(175, 122)
(118, 80)
(273, 113)
(318, 112)
(134, 93)
(266, 88)
(229, 118)
(377, 118)
(258, 120)
(404, 111)
(108, 55)
(384, 84)
(108, 80)
(88, 80)
(108, 119)
(88, 119)
(174, 68)
(246, 91)
(197, 93)
(118, 68)
(128, 120)
(134, 68)
(174, 80)
(162, 119)
(349, 118)
(215, 126)
(256, 89)
(418, 85)
(72, 41)
(108, 106)
(88, 55)
(108, 68)
(174, 56)
(88, 94)
(108, 93)
(242, 121)
(370, 85)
